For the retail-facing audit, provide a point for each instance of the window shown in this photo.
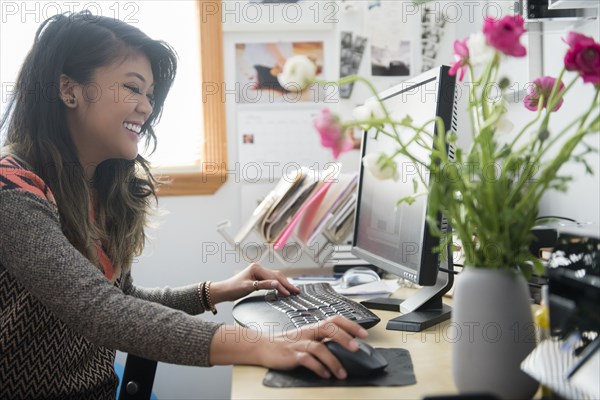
(206, 173)
(180, 129)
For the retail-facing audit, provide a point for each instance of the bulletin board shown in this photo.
(385, 41)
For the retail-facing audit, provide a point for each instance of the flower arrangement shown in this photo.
(491, 215)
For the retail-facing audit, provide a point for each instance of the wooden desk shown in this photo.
(429, 350)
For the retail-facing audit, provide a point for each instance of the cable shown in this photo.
(556, 217)
(449, 271)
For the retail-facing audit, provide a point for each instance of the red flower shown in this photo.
(461, 53)
(583, 56)
(505, 34)
(332, 135)
(542, 86)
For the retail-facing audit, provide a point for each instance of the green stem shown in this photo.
(486, 144)
(548, 173)
(583, 118)
(450, 188)
(404, 151)
(526, 177)
(553, 99)
(473, 103)
(355, 78)
(529, 125)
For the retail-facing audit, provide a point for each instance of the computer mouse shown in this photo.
(358, 276)
(363, 362)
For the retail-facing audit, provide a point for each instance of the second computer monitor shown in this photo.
(396, 237)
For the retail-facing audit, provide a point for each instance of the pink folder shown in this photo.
(316, 199)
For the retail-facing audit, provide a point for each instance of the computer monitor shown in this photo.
(396, 237)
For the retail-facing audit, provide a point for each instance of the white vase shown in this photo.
(492, 318)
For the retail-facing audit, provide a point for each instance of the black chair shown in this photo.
(138, 378)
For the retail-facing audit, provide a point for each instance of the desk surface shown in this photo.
(429, 350)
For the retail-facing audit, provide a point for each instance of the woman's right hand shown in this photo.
(305, 347)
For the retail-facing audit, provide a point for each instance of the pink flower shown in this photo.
(542, 86)
(505, 34)
(332, 135)
(583, 56)
(461, 53)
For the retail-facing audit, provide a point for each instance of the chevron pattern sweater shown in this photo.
(61, 320)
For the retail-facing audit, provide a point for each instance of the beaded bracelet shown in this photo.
(201, 295)
(206, 293)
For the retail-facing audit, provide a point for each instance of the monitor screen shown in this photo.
(392, 236)
(396, 237)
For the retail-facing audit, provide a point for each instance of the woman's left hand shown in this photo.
(254, 277)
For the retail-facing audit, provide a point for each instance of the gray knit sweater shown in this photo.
(61, 320)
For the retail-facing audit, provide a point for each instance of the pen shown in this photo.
(590, 350)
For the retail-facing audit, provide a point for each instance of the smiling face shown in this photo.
(105, 117)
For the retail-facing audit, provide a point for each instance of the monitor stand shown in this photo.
(421, 310)
(420, 319)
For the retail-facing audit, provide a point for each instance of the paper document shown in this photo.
(549, 363)
(384, 286)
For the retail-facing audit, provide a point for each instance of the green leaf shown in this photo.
(406, 121)
(538, 267)
(433, 226)
(451, 137)
(505, 151)
(408, 200)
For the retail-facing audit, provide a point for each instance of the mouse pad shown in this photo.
(399, 372)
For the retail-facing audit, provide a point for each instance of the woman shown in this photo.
(74, 199)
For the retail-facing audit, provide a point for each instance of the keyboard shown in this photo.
(316, 302)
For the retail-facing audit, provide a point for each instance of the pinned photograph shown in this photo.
(248, 138)
(351, 52)
(258, 66)
(436, 40)
(391, 60)
(392, 43)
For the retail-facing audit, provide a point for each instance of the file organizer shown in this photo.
(300, 222)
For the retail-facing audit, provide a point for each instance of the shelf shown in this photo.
(561, 10)
(563, 4)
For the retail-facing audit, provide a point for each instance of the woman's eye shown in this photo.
(133, 89)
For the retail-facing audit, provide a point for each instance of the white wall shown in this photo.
(582, 201)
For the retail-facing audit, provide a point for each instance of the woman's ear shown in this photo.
(67, 91)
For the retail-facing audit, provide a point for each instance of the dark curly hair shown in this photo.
(77, 44)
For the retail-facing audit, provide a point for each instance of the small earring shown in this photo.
(70, 101)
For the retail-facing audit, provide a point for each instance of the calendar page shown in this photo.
(277, 141)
